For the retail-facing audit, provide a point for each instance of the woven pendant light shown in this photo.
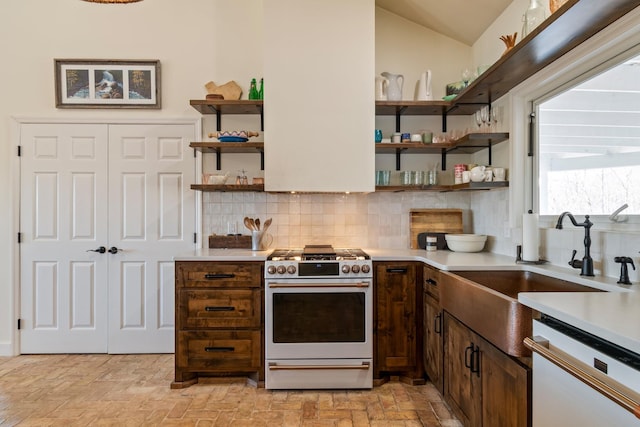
(112, 1)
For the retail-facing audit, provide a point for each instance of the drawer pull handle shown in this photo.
(222, 308)
(437, 324)
(213, 276)
(396, 270)
(276, 367)
(219, 349)
(432, 282)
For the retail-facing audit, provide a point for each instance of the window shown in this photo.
(589, 145)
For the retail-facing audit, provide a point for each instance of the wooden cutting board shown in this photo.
(433, 221)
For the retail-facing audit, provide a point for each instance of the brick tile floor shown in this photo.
(133, 390)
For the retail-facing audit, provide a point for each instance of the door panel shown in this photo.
(63, 214)
(85, 186)
(151, 169)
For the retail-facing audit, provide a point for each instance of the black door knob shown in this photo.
(113, 250)
(100, 250)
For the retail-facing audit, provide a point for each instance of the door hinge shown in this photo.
(19, 237)
(19, 150)
(19, 323)
(195, 237)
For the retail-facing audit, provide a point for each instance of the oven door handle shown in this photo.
(539, 345)
(274, 285)
(275, 367)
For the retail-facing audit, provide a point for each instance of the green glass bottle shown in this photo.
(261, 91)
(253, 91)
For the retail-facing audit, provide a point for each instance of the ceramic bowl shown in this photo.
(466, 242)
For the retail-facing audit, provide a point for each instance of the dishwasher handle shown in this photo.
(606, 390)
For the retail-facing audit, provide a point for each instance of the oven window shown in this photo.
(318, 317)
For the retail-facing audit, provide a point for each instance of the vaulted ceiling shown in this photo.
(462, 20)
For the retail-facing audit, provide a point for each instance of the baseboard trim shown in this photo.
(6, 349)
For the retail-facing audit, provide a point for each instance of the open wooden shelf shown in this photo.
(470, 186)
(572, 24)
(220, 106)
(228, 147)
(469, 143)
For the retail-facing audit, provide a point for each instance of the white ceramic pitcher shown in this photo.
(394, 90)
(424, 87)
(382, 84)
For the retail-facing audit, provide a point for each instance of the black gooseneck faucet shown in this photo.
(586, 264)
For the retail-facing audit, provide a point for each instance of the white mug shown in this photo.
(466, 176)
(499, 174)
(488, 175)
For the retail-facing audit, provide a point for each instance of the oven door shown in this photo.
(319, 318)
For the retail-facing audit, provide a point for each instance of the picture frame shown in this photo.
(90, 83)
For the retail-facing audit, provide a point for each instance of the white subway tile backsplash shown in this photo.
(382, 220)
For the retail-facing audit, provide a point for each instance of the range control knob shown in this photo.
(346, 269)
(355, 269)
(271, 269)
(365, 268)
(281, 269)
(291, 269)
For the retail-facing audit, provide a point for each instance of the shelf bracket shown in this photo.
(218, 121)
(218, 160)
(489, 149)
(444, 160)
(444, 121)
(399, 112)
(261, 160)
(398, 155)
(261, 108)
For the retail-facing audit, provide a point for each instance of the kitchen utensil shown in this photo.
(260, 240)
(478, 174)
(234, 135)
(257, 222)
(441, 242)
(466, 242)
(248, 222)
(394, 89)
(433, 221)
(381, 88)
(267, 223)
(217, 179)
(424, 87)
(230, 90)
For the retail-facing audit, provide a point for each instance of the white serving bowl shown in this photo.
(465, 242)
(218, 179)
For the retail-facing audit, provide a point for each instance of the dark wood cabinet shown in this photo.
(219, 320)
(398, 321)
(483, 385)
(433, 350)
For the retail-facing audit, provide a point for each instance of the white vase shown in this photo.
(535, 14)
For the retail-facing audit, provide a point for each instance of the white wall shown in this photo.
(195, 40)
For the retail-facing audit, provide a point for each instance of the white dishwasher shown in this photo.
(580, 379)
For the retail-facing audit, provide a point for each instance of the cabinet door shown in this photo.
(396, 316)
(433, 342)
(504, 389)
(462, 387)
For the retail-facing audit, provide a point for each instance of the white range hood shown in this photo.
(319, 110)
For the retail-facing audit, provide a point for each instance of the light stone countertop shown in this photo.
(613, 315)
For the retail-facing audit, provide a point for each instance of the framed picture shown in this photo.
(88, 83)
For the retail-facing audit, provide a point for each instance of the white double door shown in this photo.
(104, 209)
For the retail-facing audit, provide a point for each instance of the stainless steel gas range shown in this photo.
(318, 317)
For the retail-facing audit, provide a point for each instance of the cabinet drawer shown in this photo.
(220, 308)
(204, 351)
(197, 274)
(431, 278)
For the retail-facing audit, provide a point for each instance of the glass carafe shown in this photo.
(535, 14)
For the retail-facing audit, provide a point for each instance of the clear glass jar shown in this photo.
(535, 14)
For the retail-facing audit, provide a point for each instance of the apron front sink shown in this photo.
(487, 302)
